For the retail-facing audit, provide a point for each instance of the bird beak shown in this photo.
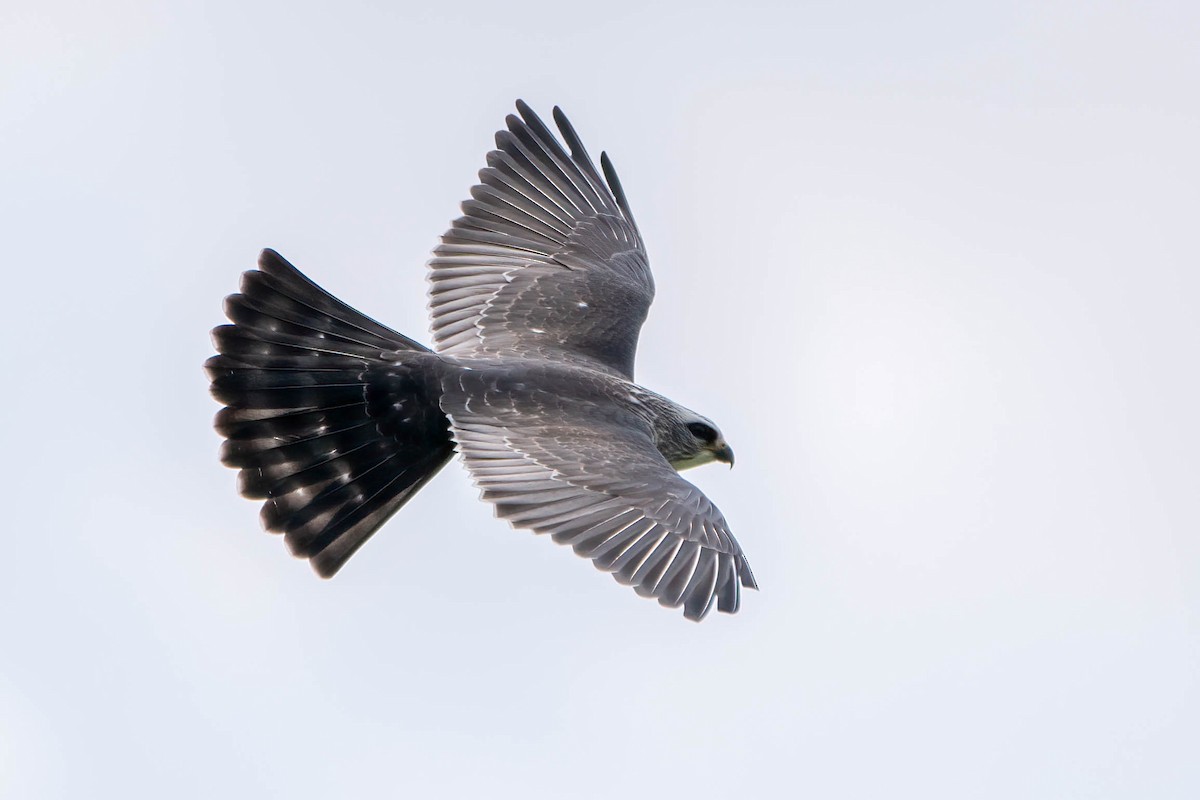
(724, 454)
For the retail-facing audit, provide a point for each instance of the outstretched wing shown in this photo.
(546, 260)
(587, 472)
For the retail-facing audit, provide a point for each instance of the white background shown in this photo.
(932, 268)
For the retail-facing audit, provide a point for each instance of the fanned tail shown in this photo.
(331, 417)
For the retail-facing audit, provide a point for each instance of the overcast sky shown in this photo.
(931, 267)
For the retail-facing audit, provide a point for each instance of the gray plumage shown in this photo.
(537, 295)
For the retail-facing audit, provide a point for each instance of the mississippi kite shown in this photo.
(537, 296)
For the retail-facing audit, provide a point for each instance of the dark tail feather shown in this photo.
(332, 418)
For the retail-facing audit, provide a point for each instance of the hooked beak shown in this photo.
(723, 453)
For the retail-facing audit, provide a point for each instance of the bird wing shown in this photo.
(585, 470)
(546, 260)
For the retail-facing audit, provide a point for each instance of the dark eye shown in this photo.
(703, 432)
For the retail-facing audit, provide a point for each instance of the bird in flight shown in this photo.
(537, 294)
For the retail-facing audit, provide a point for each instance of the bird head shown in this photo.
(695, 440)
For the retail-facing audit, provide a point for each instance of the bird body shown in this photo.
(537, 297)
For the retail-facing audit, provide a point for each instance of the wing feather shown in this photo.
(546, 260)
(593, 480)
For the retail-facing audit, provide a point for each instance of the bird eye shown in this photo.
(703, 432)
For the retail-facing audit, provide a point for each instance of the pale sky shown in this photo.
(931, 267)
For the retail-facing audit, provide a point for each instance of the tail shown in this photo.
(332, 418)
